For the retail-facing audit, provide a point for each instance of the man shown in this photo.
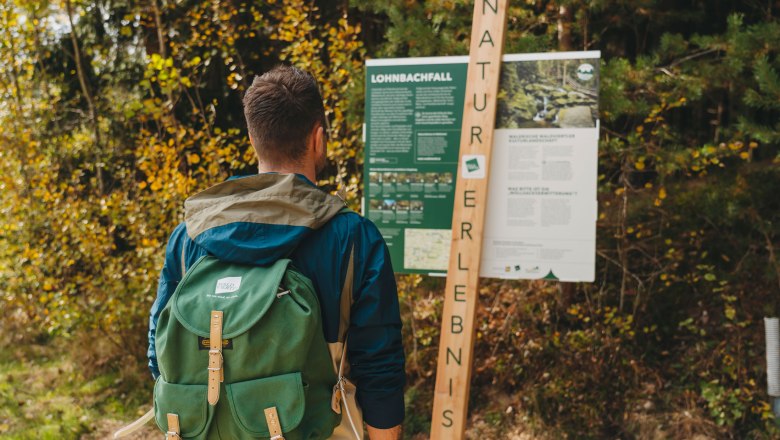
(279, 213)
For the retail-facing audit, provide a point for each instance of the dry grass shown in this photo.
(105, 429)
(44, 394)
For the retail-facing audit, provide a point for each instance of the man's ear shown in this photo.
(318, 139)
(254, 148)
(252, 141)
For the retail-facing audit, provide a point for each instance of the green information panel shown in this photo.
(413, 122)
(542, 205)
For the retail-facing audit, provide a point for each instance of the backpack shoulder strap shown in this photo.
(346, 300)
(344, 393)
(183, 263)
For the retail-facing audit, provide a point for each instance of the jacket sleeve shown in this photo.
(170, 276)
(375, 349)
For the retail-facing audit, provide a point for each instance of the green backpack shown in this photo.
(242, 355)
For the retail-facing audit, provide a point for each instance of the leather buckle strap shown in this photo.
(174, 431)
(272, 419)
(215, 368)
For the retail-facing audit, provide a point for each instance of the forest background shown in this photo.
(112, 112)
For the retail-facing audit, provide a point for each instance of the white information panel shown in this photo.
(542, 207)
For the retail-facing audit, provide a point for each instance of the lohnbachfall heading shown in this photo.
(410, 77)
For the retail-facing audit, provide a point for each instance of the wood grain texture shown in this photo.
(453, 377)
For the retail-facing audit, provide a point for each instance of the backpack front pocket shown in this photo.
(249, 400)
(186, 401)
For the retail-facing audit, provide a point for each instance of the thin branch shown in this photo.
(623, 254)
(87, 96)
(772, 260)
(692, 56)
(617, 263)
(159, 26)
(415, 365)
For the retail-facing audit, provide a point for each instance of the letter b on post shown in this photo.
(456, 326)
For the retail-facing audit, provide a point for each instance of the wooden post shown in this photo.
(453, 376)
(566, 291)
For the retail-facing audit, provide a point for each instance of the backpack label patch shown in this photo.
(205, 343)
(227, 285)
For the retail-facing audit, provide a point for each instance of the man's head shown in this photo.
(286, 119)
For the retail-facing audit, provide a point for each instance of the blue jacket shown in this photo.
(259, 219)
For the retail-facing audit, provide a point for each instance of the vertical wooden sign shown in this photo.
(453, 376)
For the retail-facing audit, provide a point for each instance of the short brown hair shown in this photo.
(281, 108)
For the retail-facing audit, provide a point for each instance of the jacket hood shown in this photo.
(257, 219)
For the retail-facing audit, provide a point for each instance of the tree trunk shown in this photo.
(19, 150)
(88, 96)
(564, 28)
(160, 31)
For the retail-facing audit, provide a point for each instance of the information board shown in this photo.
(541, 212)
(413, 119)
